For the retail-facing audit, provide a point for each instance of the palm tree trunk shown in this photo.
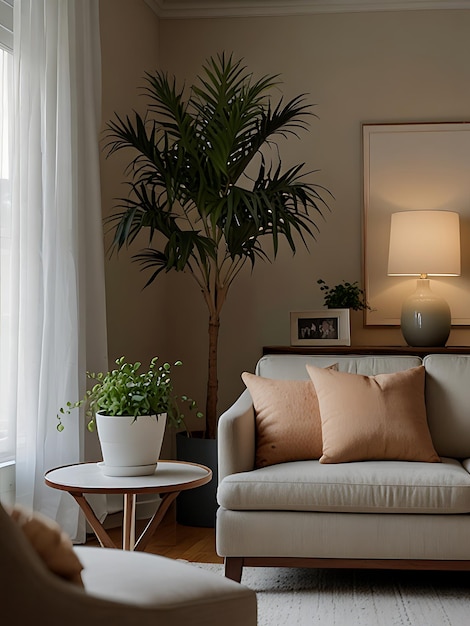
(212, 381)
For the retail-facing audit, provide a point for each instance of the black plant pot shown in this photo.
(197, 507)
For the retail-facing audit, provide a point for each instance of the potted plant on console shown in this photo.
(130, 410)
(344, 295)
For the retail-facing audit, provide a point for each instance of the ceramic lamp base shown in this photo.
(425, 317)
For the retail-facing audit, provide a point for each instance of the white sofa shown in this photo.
(371, 514)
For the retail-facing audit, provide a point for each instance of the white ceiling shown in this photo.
(238, 8)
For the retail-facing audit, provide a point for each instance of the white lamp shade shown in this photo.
(424, 242)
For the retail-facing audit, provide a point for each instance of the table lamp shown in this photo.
(425, 243)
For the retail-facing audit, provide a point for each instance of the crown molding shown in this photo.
(251, 8)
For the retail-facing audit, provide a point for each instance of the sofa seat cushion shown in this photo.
(362, 487)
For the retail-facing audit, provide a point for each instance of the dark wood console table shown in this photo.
(364, 350)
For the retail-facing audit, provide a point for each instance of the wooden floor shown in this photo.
(174, 541)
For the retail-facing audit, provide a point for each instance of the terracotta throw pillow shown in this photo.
(373, 417)
(51, 544)
(288, 424)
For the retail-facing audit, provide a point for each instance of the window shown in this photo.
(7, 423)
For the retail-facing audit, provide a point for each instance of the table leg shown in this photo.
(102, 536)
(128, 527)
(146, 535)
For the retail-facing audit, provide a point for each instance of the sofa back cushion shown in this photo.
(448, 403)
(293, 366)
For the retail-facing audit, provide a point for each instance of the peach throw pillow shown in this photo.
(49, 541)
(373, 417)
(288, 424)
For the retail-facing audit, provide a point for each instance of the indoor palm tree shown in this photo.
(207, 183)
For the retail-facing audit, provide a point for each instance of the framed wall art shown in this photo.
(325, 327)
(411, 167)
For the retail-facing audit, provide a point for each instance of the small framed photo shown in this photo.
(325, 327)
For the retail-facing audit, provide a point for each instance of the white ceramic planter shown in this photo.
(130, 447)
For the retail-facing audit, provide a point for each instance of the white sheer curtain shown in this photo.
(57, 279)
(7, 418)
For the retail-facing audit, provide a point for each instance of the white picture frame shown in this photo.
(322, 327)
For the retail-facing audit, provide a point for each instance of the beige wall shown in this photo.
(129, 48)
(369, 67)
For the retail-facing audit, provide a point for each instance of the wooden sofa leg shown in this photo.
(233, 568)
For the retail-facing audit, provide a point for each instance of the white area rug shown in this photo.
(291, 597)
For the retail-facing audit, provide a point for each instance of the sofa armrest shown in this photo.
(236, 438)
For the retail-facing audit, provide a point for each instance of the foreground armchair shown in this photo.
(114, 586)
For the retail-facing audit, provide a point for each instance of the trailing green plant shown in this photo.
(207, 183)
(128, 391)
(344, 296)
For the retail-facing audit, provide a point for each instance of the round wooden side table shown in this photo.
(168, 480)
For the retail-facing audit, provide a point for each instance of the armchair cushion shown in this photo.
(178, 592)
(50, 543)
